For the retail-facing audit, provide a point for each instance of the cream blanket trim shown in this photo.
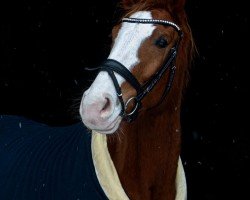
(108, 177)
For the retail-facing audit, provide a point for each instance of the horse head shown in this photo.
(143, 42)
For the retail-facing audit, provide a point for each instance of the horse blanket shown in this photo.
(39, 162)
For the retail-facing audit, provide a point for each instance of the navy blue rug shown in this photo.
(46, 163)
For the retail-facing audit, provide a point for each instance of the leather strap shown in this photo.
(120, 69)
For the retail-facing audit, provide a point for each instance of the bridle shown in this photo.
(112, 66)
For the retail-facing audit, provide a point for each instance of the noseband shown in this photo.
(112, 66)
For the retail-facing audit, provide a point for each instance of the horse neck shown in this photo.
(145, 153)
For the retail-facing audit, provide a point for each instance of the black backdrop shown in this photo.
(46, 44)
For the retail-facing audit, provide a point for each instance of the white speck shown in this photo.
(177, 130)
(233, 141)
(199, 162)
(43, 184)
(222, 32)
(20, 124)
(175, 108)
(76, 82)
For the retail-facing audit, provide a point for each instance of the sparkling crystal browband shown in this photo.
(152, 21)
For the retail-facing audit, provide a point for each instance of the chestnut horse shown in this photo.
(142, 83)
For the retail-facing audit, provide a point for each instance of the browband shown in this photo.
(153, 21)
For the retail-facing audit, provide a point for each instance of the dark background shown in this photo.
(45, 46)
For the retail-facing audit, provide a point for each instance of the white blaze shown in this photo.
(129, 40)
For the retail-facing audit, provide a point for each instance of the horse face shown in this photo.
(141, 48)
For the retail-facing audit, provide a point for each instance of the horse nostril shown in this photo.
(106, 105)
(107, 108)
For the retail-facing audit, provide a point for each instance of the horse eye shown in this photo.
(161, 42)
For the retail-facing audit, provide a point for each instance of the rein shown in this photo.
(111, 66)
